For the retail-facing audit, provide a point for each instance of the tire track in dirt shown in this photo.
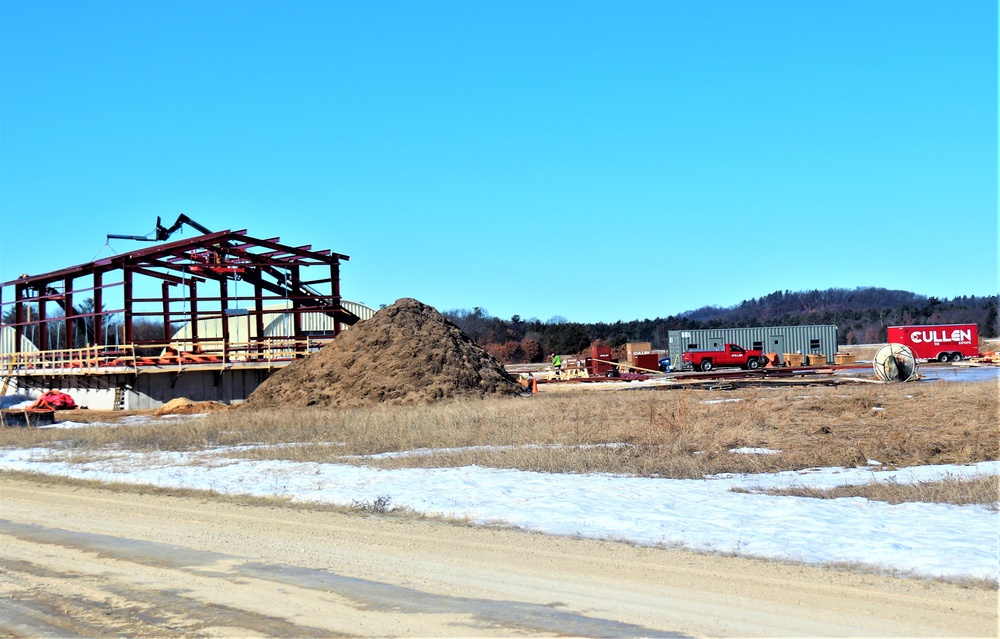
(194, 605)
(202, 566)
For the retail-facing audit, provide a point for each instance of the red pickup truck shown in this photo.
(730, 355)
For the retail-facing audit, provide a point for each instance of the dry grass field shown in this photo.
(984, 491)
(677, 434)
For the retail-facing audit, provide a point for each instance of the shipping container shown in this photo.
(636, 348)
(807, 340)
(599, 362)
(647, 361)
(943, 342)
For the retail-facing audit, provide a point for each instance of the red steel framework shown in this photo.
(181, 272)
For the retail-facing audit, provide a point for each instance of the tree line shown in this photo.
(861, 316)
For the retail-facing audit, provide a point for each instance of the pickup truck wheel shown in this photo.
(956, 357)
(706, 365)
(753, 363)
(942, 357)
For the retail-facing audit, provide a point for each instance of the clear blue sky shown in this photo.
(595, 161)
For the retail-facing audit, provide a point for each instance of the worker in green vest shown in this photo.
(556, 363)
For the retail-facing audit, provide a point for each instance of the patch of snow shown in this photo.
(937, 540)
(754, 451)
(15, 401)
(131, 420)
(425, 452)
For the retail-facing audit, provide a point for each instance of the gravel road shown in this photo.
(84, 561)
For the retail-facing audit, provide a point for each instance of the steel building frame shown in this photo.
(165, 285)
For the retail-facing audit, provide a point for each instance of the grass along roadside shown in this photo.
(984, 491)
(681, 434)
(381, 505)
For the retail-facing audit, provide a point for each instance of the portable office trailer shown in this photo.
(810, 339)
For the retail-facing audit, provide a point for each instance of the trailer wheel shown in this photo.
(753, 363)
(956, 357)
(706, 365)
(942, 357)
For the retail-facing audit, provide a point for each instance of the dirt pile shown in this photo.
(184, 406)
(407, 353)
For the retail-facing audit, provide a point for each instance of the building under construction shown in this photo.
(206, 318)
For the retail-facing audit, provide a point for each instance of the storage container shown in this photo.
(648, 361)
(637, 348)
(792, 359)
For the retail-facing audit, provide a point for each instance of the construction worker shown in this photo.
(556, 363)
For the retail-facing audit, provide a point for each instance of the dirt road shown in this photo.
(78, 561)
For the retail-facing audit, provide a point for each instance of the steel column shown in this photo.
(296, 317)
(127, 292)
(258, 305)
(70, 313)
(43, 327)
(165, 289)
(18, 316)
(223, 308)
(335, 290)
(98, 309)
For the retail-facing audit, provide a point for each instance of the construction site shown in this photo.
(230, 318)
(208, 318)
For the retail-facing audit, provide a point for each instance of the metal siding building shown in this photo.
(810, 339)
(276, 323)
(8, 338)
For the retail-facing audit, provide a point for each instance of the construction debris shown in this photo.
(22, 417)
(50, 401)
(407, 353)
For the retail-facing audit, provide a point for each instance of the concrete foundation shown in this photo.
(148, 389)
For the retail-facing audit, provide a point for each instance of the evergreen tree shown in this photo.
(988, 327)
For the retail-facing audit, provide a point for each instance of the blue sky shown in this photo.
(593, 161)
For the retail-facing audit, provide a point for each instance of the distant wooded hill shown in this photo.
(861, 316)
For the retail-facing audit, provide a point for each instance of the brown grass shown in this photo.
(656, 433)
(952, 490)
(381, 505)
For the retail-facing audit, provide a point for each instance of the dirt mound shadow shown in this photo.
(407, 353)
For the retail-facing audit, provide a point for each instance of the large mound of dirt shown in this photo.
(407, 353)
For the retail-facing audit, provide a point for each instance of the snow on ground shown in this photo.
(131, 420)
(16, 401)
(754, 451)
(934, 540)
